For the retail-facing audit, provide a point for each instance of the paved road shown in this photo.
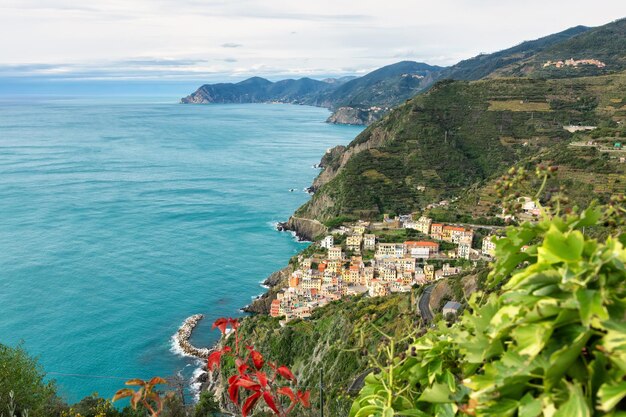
(424, 303)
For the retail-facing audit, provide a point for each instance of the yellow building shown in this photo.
(353, 242)
(423, 225)
(429, 272)
(335, 253)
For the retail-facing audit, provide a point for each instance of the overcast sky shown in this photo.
(232, 39)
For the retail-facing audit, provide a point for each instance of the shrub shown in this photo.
(549, 339)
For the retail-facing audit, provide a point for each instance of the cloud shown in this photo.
(226, 38)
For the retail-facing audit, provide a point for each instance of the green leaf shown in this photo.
(437, 393)
(529, 406)
(610, 395)
(502, 408)
(589, 217)
(414, 412)
(563, 358)
(368, 410)
(388, 412)
(532, 338)
(575, 406)
(590, 302)
(560, 247)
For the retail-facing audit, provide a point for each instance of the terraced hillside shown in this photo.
(458, 136)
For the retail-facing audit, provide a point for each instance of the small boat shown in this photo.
(291, 190)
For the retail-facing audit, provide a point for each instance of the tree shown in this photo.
(207, 405)
(22, 375)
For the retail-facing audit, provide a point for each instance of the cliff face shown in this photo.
(354, 116)
(304, 228)
(276, 281)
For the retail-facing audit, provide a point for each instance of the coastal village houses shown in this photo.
(350, 269)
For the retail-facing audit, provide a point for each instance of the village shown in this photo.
(366, 258)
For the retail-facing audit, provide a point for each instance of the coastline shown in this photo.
(183, 346)
(305, 230)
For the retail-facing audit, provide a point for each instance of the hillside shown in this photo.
(359, 100)
(337, 339)
(485, 64)
(606, 44)
(384, 87)
(440, 144)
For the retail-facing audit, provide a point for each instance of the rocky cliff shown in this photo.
(305, 229)
(276, 281)
(355, 116)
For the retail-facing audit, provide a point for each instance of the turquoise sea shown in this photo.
(121, 217)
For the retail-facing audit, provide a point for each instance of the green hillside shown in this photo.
(459, 134)
(604, 43)
(384, 87)
(485, 64)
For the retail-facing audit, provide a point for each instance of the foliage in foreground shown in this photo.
(256, 377)
(22, 386)
(550, 340)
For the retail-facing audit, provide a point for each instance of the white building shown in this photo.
(489, 246)
(328, 242)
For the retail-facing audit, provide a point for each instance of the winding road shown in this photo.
(424, 304)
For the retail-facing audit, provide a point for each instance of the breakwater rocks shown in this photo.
(182, 336)
(305, 229)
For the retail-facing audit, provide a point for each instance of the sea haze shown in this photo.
(119, 218)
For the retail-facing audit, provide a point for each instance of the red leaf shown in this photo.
(257, 359)
(305, 398)
(262, 378)
(249, 404)
(242, 367)
(286, 373)
(233, 393)
(248, 384)
(288, 392)
(234, 323)
(269, 400)
(221, 324)
(214, 360)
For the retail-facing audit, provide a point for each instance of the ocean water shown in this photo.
(121, 217)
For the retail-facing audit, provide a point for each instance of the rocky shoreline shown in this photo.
(274, 283)
(305, 229)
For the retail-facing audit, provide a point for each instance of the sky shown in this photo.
(229, 40)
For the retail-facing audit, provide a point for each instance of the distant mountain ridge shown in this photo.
(365, 99)
(260, 90)
(383, 88)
